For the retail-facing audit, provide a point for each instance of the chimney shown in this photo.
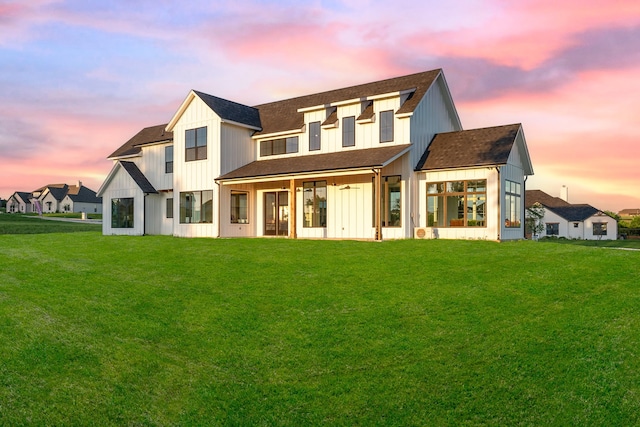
(79, 183)
(564, 193)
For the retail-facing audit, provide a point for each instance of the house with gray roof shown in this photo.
(571, 221)
(19, 202)
(380, 160)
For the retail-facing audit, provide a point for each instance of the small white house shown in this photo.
(386, 159)
(20, 202)
(571, 221)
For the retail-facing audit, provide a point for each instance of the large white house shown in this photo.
(387, 159)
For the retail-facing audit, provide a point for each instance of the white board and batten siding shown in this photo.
(435, 113)
(492, 229)
(196, 175)
(123, 186)
(152, 164)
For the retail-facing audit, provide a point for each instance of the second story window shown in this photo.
(168, 159)
(279, 146)
(196, 144)
(386, 126)
(314, 136)
(349, 131)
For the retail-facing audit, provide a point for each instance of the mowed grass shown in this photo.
(108, 330)
(31, 224)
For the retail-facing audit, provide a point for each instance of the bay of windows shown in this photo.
(196, 207)
(315, 204)
(457, 203)
(239, 205)
(122, 213)
(195, 144)
(513, 202)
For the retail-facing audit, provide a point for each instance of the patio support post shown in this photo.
(292, 209)
(378, 192)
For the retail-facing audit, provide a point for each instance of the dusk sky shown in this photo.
(78, 78)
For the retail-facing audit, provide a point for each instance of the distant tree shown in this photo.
(534, 221)
(635, 222)
(613, 215)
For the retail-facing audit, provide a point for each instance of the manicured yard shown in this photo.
(32, 224)
(105, 330)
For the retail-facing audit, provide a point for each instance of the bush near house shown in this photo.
(155, 330)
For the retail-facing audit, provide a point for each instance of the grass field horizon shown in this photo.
(158, 330)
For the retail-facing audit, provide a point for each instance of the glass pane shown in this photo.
(479, 186)
(476, 205)
(190, 154)
(434, 188)
(207, 206)
(394, 199)
(435, 211)
(314, 136)
(270, 213)
(265, 148)
(201, 153)
(320, 219)
(292, 144)
(201, 137)
(190, 138)
(279, 146)
(348, 131)
(455, 211)
(455, 187)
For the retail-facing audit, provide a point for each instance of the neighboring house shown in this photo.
(20, 202)
(56, 198)
(572, 221)
(387, 159)
(81, 199)
(50, 197)
(627, 215)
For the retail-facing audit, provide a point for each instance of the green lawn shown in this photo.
(105, 330)
(32, 224)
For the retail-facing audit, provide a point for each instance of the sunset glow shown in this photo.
(79, 78)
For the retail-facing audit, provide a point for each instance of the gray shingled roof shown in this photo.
(148, 135)
(229, 110)
(283, 115)
(24, 195)
(83, 194)
(532, 197)
(574, 212)
(344, 160)
(138, 177)
(467, 148)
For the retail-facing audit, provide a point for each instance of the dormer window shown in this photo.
(196, 144)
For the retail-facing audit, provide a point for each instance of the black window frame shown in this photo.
(122, 212)
(275, 147)
(601, 227)
(169, 208)
(554, 227)
(199, 149)
(386, 126)
(349, 131)
(314, 213)
(200, 207)
(315, 140)
(168, 159)
(237, 209)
